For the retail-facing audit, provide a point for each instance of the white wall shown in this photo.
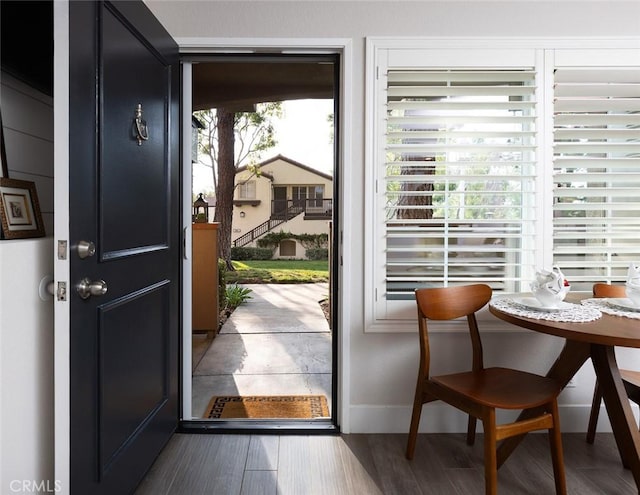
(383, 366)
(26, 319)
(27, 121)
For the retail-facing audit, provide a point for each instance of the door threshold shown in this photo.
(259, 427)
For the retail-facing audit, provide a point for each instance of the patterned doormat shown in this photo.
(267, 407)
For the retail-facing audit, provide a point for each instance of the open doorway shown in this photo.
(282, 342)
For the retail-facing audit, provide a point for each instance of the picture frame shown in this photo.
(4, 168)
(19, 209)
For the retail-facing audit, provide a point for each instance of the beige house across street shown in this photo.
(283, 196)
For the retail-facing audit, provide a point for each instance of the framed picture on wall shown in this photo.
(19, 209)
(4, 169)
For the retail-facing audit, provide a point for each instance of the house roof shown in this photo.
(290, 161)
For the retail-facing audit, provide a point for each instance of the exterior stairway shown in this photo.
(275, 220)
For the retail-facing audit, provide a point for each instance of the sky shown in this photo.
(303, 134)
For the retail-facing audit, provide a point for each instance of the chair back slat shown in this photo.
(608, 290)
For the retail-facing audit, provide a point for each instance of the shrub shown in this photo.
(251, 253)
(318, 254)
(236, 295)
(222, 283)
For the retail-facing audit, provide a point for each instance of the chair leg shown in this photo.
(415, 421)
(595, 411)
(471, 430)
(490, 454)
(557, 457)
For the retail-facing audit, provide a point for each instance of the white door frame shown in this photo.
(61, 343)
(300, 46)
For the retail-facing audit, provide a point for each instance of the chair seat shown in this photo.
(502, 388)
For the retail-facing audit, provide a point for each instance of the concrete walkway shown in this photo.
(276, 343)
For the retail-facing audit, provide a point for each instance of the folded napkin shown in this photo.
(633, 276)
(553, 281)
(550, 287)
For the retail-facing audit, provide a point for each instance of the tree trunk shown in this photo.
(414, 200)
(226, 182)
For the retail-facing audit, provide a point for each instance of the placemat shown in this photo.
(576, 313)
(600, 303)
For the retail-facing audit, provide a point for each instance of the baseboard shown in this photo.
(440, 418)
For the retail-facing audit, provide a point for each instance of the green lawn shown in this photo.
(278, 272)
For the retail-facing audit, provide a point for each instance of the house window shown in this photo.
(299, 195)
(468, 185)
(307, 196)
(317, 193)
(247, 190)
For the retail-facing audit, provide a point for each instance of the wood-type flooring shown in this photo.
(370, 464)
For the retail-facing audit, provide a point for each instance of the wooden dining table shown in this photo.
(596, 340)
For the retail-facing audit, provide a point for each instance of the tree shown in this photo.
(233, 139)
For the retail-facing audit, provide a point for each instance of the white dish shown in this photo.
(623, 303)
(533, 304)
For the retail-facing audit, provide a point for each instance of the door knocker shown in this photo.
(140, 126)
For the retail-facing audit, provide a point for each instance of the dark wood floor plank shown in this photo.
(394, 469)
(160, 477)
(529, 470)
(428, 467)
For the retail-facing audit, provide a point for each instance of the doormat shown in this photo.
(267, 407)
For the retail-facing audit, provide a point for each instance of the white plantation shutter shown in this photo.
(492, 161)
(596, 206)
(458, 177)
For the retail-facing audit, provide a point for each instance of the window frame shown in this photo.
(380, 316)
(247, 190)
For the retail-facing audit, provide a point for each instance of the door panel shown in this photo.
(132, 69)
(132, 379)
(124, 197)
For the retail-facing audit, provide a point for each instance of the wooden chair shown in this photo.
(630, 379)
(481, 391)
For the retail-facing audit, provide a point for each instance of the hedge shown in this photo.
(251, 253)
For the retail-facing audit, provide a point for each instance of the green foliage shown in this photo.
(317, 253)
(279, 272)
(254, 133)
(222, 283)
(236, 295)
(251, 253)
(308, 241)
(273, 239)
(313, 241)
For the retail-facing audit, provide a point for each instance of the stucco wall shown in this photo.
(278, 173)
